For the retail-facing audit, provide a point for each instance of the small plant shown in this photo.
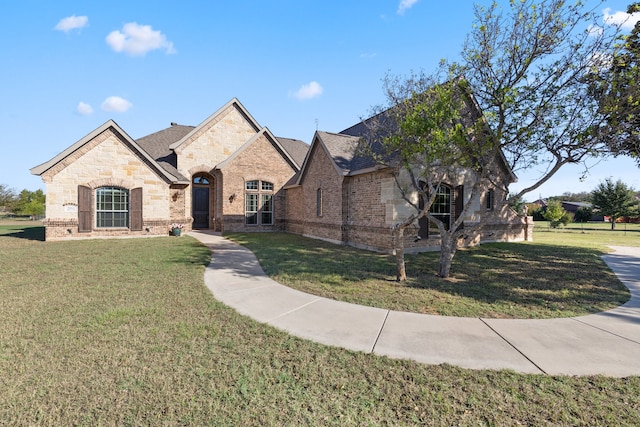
(176, 225)
(556, 214)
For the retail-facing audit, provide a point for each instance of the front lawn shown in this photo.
(124, 332)
(539, 279)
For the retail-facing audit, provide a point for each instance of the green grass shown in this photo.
(590, 227)
(501, 280)
(124, 332)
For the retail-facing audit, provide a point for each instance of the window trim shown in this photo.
(319, 202)
(449, 206)
(261, 193)
(490, 197)
(106, 204)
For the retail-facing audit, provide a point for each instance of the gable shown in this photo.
(320, 162)
(260, 150)
(216, 138)
(108, 146)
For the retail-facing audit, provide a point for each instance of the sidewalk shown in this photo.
(606, 343)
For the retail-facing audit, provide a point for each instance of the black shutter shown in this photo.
(459, 202)
(423, 222)
(84, 209)
(136, 209)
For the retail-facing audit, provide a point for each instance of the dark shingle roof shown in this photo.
(343, 149)
(297, 149)
(157, 144)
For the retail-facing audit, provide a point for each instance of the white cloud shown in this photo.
(624, 19)
(71, 23)
(84, 109)
(308, 91)
(137, 40)
(116, 104)
(405, 5)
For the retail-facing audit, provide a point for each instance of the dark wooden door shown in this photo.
(200, 207)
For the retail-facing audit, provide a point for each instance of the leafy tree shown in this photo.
(536, 211)
(556, 214)
(583, 214)
(615, 200)
(519, 205)
(7, 197)
(30, 203)
(617, 88)
(427, 134)
(568, 196)
(525, 70)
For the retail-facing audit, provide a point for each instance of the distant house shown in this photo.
(572, 207)
(231, 174)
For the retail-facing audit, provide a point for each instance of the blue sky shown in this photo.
(69, 66)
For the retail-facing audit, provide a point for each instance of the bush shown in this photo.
(583, 214)
(556, 214)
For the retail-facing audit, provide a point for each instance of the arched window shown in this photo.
(258, 202)
(112, 207)
(199, 179)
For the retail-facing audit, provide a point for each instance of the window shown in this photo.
(319, 202)
(199, 179)
(259, 202)
(112, 207)
(266, 213)
(441, 207)
(489, 200)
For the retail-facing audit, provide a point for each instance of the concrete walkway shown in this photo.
(606, 343)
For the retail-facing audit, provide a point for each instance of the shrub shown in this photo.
(556, 214)
(583, 214)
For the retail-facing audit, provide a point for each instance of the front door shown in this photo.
(200, 208)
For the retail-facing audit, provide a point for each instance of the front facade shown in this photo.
(346, 199)
(225, 174)
(231, 174)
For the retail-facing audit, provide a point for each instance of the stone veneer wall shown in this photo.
(212, 144)
(107, 160)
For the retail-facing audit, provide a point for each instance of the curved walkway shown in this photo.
(606, 343)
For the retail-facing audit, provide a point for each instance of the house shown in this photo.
(346, 198)
(231, 174)
(227, 174)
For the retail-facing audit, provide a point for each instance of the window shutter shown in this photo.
(459, 201)
(423, 223)
(84, 209)
(136, 209)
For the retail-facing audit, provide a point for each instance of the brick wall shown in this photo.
(263, 162)
(302, 202)
(361, 210)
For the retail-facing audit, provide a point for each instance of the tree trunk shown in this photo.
(613, 223)
(398, 247)
(447, 251)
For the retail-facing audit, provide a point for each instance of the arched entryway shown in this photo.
(201, 200)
